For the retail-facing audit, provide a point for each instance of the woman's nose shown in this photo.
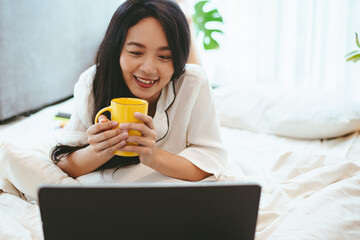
(148, 65)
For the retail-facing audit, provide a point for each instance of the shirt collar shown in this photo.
(161, 119)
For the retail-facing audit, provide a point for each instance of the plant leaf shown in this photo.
(357, 40)
(351, 53)
(355, 57)
(200, 18)
(213, 16)
(209, 42)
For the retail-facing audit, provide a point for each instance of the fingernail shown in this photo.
(114, 123)
(122, 125)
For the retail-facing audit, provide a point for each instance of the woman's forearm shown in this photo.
(80, 162)
(177, 167)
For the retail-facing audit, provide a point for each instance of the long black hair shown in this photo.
(108, 81)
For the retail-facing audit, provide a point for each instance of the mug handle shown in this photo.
(100, 112)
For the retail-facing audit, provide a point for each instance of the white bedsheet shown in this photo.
(310, 189)
(19, 219)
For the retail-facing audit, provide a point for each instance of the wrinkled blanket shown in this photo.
(304, 196)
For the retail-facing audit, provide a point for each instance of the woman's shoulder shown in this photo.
(194, 71)
(87, 77)
(83, 87)
(194, 75)
(83, 97)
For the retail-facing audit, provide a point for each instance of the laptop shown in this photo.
(203, 210)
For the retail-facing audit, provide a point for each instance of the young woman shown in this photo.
(143, 55)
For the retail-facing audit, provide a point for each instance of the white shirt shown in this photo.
(185, 120)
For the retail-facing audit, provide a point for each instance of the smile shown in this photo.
(145, 81)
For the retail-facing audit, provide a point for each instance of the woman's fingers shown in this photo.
(99, 127)
(141, 127)
(102, 119)
(146, 119)
(103, 136)
(141, 141)
(111, 142)
(107, 147)
(109, 152)
(105, 139)
(138, 149)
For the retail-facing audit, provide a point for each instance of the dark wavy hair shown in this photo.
(108, 81)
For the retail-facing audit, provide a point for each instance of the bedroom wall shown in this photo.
(44, 46)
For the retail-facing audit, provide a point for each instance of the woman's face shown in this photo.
(146, 60)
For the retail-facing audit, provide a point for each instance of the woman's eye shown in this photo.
(135, 53)
(165, 57)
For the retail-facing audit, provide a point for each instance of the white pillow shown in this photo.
(297, 113)
(27, 168)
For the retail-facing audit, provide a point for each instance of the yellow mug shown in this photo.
(122, 110)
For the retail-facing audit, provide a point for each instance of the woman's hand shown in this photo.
(162, 161)
(146, 143)
(104, 140)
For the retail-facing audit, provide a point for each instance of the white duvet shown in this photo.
(310, 188)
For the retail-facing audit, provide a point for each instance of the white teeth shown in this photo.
(144, 81)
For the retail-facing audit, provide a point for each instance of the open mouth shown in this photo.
(145, 82)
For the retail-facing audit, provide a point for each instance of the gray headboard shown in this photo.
(44, 47)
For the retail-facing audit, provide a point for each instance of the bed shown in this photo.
(302, 147)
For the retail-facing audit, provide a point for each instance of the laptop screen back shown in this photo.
(149, 211)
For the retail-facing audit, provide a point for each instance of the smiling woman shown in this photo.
(143, 55)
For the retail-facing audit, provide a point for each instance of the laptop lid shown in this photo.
(210, 210)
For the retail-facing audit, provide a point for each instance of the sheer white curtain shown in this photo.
(289, 43)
